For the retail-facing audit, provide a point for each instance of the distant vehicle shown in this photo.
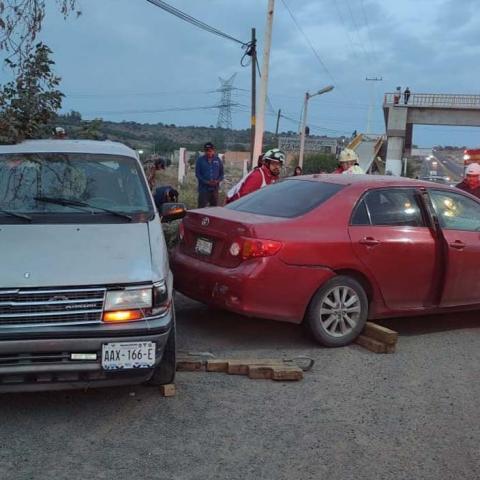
(85, 285)
(333, 250)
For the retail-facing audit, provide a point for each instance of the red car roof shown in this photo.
(369, 180)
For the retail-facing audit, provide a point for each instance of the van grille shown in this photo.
(28, 307)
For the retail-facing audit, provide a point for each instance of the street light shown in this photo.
(329, 88)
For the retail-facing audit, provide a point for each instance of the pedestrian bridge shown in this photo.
(423, 109)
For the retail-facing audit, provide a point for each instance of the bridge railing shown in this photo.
(433, 100)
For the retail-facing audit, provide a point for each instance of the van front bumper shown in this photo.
(33, 359)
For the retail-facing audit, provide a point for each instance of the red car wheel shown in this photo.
(338, 312)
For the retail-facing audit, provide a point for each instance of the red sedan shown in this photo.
(334, 250)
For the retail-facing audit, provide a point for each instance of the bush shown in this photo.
(318, 163)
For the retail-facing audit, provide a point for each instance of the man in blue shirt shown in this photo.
(209, 173)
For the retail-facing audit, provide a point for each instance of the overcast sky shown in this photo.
(128, 59)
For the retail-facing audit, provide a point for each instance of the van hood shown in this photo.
(71, 255)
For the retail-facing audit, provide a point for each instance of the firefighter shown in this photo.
(348, 162)
(265, 174)
(471, 182)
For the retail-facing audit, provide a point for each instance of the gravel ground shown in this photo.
(356, 415)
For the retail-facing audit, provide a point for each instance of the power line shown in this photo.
(372, 50)
(164, 110)
(317, 56)
(344, 23)
(194, 21)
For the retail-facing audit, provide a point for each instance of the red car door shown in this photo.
(459, 217)
(391, 238)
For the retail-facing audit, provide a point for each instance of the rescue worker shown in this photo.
(471, 182)
(348, 162)
(262, 176)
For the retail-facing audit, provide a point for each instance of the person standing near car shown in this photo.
(471, 182)
(261, 176)
(209, 173)
(348, 162)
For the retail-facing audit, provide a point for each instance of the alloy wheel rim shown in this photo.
(340, 311)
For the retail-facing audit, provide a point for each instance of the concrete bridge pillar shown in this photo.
(396, 133)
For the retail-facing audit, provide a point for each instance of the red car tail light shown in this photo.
(254, 248)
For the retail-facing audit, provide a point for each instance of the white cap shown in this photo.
(348, 155)
(473, 169)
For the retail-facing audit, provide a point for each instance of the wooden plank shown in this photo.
(190, 365)
(382, 334)
(168, 390)
(372, 344)
(217, 366)
(240, 366)
(260, 372)
(287, 374)
(275, 372)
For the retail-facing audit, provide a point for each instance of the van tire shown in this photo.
(340, 297)
(165, 372)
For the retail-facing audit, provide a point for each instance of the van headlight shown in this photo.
(128, 299)
(133, 304)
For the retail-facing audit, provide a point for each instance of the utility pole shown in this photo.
(254, 97)
(326, 89)
(302, 132)
(372, 101)
(279, 114)
(260, 124)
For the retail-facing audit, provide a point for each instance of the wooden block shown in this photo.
(275, 372)
(260, 372)
(391, 348)
(372, 344)
(240, 367)
(168, 390)
(287, 373)
(190, 365)
(217, 366)
(382, 334)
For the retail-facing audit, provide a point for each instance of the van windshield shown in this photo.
(50, 184)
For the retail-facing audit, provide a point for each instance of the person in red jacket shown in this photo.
(471, 182)
(262, 176)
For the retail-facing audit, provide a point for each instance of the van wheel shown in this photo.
(165, 372)
(338, 312)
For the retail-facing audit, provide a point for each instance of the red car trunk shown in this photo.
(209, 233)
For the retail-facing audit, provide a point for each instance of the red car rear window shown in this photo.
(288, 199)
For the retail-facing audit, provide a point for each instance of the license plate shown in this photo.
(204, 247)
(120, 356)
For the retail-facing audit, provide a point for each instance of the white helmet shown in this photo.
(274, 154)
(473, 169)
(348, 155)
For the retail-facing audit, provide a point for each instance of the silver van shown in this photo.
(85, 285)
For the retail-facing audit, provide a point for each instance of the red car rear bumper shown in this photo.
(266, 287)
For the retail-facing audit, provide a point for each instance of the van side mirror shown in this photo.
(172, 211)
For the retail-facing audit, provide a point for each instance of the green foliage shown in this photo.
(92, 130)
(21, 21)
(163, 144)
(318, 163)
(30, 102)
